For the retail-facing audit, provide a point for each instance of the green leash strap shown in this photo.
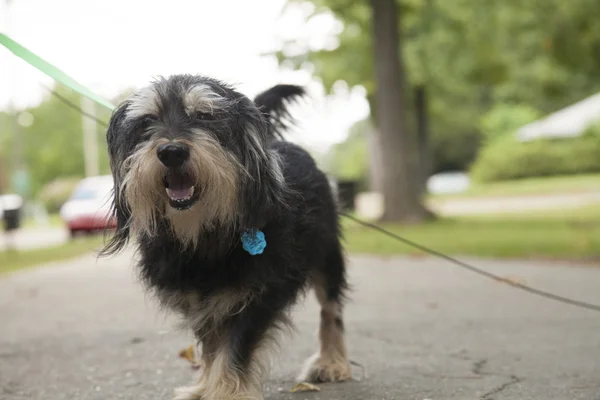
(52, 71)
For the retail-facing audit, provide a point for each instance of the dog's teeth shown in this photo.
(173, 195)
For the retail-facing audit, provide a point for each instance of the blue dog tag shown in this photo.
(254, 241)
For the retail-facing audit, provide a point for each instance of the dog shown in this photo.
(232, 225)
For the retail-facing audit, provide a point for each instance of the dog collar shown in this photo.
(253, 241)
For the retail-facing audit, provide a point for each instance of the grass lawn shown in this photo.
(572, 234)
(533, 186)
(12, 261)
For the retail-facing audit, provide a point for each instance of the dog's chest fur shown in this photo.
(205, 286)
(219, 278)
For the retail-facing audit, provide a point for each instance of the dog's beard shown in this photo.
(211, 183)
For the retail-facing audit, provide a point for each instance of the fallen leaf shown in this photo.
(304, 387)
(190, 355)
(417, 254)
(511, 280)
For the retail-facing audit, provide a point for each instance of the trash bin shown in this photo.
(12, 219)
(346, 191)
(11, 206)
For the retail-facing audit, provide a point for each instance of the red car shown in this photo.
(88, 208)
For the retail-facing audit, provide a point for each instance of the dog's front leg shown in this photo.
(234, 356)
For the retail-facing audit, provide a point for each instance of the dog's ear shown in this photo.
(262, 188)
(266, 118)
(119, 137)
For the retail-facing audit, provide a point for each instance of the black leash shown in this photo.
(541, 293)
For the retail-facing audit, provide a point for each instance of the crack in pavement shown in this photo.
(477, 369)
(513, 380)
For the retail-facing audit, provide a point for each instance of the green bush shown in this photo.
(54, 194)
(507, 159)
(505, 119)
(349, 160)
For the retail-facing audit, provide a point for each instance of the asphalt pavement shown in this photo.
(421, 329)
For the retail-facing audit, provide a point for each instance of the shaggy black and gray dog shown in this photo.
(232, 224)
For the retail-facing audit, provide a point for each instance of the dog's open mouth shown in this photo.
(181, 189)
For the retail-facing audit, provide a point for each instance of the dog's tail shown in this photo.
(274, 104)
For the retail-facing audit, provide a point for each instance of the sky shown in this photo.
(111, 45)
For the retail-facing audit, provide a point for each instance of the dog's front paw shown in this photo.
(189, 393)
(326, 369)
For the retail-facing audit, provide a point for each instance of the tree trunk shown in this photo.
(423, 135)
(400, 156)
(376, 183)
(374, 151)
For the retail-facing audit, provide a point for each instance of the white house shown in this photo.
(571, 121)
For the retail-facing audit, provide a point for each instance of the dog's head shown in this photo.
(188, 153)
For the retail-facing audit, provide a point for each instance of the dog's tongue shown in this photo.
(180, 186)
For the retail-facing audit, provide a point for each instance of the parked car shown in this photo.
(88, 208)
(448, 182)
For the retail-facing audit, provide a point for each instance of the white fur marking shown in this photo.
(202, 98)
(143, 102)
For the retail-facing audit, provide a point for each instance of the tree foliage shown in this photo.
(348, 160)
(505, 119)
(473, 56)
(52, 140)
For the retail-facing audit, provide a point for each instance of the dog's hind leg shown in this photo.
(331, 363)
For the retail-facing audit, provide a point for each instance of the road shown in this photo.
(421, 328)
(512, 204)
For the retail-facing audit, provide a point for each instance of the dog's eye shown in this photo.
(149, 119)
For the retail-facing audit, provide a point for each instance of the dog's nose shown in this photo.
(173, 155)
